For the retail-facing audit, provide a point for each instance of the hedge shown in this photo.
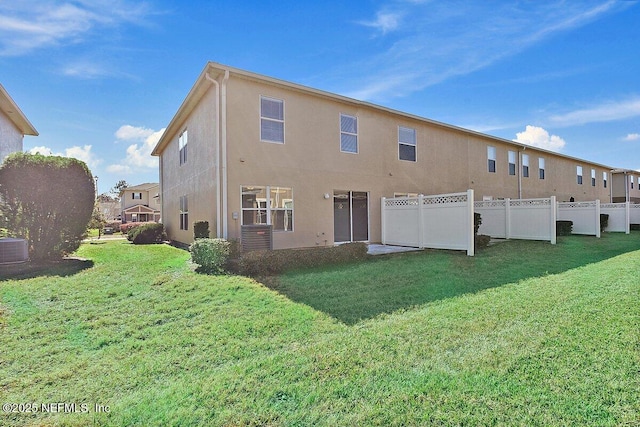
(210, 255)
(147, 233)
(266, 263)
(201, 230)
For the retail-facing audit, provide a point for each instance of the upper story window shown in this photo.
(182, 147)
(407, 144)
(348, 133)
(593, 177)
(632, 179)
(491, 158)
(271, 120)
(136, 196)
(525, 165)
(604, 179)
(541, 167)
(512, 162)
(579, 174)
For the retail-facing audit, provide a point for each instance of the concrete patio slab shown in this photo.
(377, 249)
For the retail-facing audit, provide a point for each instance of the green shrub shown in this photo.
(147, 233)
(201, 230)
(266, 263)
(210, 255)
(604, 221)
(564, 228)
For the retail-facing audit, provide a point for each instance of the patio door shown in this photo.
(350, 216)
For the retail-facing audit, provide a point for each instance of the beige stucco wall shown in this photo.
(311, 163)
(196, 178)
(10, 137)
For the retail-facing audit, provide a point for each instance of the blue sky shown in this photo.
(101, 79)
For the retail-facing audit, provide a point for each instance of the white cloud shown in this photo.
(138, 155)
(384, 22)
(607, 112)
(27, 25)
(81, 153)
(441, 40)
(540, 138)
(632, 137)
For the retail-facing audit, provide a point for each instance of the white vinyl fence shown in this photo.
(443, 221)
(584, 215)
(526, 219)
(618, 216)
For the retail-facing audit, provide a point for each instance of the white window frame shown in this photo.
(491, 157)
(269, 204)
(525, 166)
(184, 212)
(408, 143)
(541, 169)
(133, 196)
(604, 179)
(512, 163)
(593, 177)
(265, 118)
(579, 174)
(348, 133)
(183, 141)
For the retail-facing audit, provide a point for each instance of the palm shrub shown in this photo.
(210, 255)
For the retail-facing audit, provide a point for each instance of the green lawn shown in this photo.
(551, 340)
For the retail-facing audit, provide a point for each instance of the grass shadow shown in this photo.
(385, 284)
(29, 270)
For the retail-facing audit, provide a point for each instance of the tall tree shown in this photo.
(48, 200)
(119, 188)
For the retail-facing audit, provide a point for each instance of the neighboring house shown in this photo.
(246, 149)
(140, 203)
(14, 125)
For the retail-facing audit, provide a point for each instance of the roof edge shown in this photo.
(15, 114)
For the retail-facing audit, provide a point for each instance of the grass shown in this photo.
(553, 341)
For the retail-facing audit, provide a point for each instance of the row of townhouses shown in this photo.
(245, 149)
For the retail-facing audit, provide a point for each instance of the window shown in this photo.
(491, 158)
(593, 177)
(184, 213)
(579, 174)
(268, 205)
(182, 146)
(348, 134)
(525, 165)
(136, 196)
(541, 167)
(604, 179)
(407, 144)
(632, 181)
(512, 162)
(271, 120)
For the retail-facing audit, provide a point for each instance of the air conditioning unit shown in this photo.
(256, 237)
(13, 250)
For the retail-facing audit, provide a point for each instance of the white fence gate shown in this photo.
(584, 215)
(526, 219)
(443, 221)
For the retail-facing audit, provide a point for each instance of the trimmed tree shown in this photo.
(47, 200)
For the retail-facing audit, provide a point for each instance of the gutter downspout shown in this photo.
(223, 126)
(217, 147)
